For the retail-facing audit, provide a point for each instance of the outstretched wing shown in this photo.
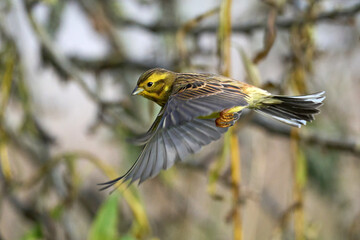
(168, 145)
(177, 131)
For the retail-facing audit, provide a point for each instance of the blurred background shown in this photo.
(67, 69)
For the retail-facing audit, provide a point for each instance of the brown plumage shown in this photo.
(198, 109)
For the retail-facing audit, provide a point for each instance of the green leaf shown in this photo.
(104, 226)
(127, 237)
(34, 233)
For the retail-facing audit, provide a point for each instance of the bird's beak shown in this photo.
(137, 90)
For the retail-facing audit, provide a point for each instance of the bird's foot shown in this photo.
(226, 119)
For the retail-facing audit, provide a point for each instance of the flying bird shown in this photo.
(197, 109)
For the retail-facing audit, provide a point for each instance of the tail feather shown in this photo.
(295, 111)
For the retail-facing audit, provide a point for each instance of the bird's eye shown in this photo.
(149, 84)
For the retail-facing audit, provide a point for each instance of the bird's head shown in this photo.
(156, 85)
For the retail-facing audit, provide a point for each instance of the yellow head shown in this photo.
(155, 84)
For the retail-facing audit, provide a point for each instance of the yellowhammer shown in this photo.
(197, 109)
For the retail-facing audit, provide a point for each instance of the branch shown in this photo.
(33, 214)
(114, 62)
(58, 60)
(250, 27)
(101, 23)
(344, 145)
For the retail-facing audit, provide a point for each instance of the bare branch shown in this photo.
(29, 212)
(250, 27)
(314, 138)
(111, 62)
(114, 62)
(58, 60)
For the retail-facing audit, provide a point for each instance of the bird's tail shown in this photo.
(295, 111)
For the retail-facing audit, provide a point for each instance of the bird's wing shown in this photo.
(169, 145)
(201, 97)
(177, 131)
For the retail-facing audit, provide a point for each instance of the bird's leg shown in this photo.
(227, 118)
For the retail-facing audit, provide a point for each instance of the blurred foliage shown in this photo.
(33, 234)
(49, 190)
(322, 167)
(105, 223)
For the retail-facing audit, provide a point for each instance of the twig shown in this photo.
(96, 12)
(183, 30)
(134, 204)
(224, 47)
(224, 38)
(235, 182)
(269, 37)
(5, 90)
(59, 61)
(250, 27)
(344, 145)
(31, 213)
(114, 62)
(284, 219)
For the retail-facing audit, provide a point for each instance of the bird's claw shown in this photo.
(226, 119)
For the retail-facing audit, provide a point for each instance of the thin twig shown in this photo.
(312, 139)
(28, 211)
(250, 27)
(224, 53)
(96, 12)
(115, 62)
(183, 30)
(269, 37)
(112, 62)
(59, 61)
(284, 219)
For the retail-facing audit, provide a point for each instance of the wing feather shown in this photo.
(150, 162)
(171, 153)
(171, 145)
(201, 99)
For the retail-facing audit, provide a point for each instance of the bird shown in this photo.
(198, 108)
